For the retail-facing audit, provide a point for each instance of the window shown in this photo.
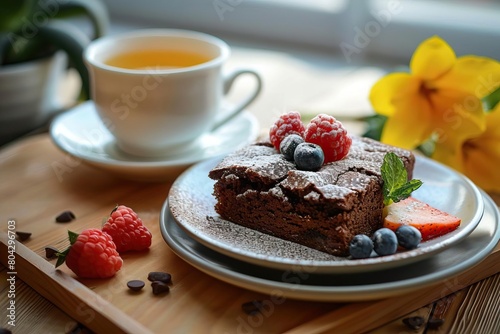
(357, 28)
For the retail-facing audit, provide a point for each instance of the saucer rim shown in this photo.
(113, 162)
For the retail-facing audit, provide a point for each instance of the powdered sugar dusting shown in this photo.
(192, 205)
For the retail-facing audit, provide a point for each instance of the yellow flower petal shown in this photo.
(482, 154)
(432, 58)
(450, 156)
(492, 125)
(477, 158)
(456, 116)
(475, 75)
(410, 125)
(391, 88)
(481, 164)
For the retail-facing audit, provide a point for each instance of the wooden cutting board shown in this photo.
(39, 182)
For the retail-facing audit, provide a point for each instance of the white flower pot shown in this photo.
(28, 94)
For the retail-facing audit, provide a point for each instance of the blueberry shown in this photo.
(308, 156)
(361, 246)
(289, 144)
(408, 236)
(385, 241)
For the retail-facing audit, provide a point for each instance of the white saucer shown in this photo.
(80, 133)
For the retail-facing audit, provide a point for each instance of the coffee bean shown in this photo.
(434, 323)
(160, 276)
(413, 322)
(159, 287)
(5, 331)
(252, 307)
(23, 235)
(65, 217)
(135, 285)
(50, 252)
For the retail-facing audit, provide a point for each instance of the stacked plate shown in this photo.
(270, 265)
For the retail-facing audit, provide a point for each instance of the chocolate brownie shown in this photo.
(258, 188)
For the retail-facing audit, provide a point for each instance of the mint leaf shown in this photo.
(405, 190)
(396, 185)
(394, 174)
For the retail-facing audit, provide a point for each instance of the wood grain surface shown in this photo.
(34, 192)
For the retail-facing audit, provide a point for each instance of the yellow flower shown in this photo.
(441, 95)
(478, 158)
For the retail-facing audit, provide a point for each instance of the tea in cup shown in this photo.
(159, 90)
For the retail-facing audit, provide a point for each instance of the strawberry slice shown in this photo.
(430, 221)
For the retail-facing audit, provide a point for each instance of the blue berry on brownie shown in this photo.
(361, 246)
(308, 156)
(385, 241)
(289, 144)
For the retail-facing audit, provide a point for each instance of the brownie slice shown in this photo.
(258, 188)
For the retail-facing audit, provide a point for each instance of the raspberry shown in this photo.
(127, 230)
(286, 124)
(92, 254)
(328, 133)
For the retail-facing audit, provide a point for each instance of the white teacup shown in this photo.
(159, 90)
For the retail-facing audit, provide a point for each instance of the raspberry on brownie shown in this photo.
(327, 132)
(289, 123)
(258, 188)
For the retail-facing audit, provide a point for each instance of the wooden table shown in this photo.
(55, 301)
(33, 195)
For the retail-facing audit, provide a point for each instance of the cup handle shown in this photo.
(235, 110)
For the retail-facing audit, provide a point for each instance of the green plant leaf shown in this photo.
(94, 10)
(20, 35)
(375, 125)
(12, 13)
(13, 17)
(396, 186)
(428, 147)
(490, 101)
(68, 38)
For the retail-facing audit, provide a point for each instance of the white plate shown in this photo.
(304, 283)
(192, 205)
(80, 133)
